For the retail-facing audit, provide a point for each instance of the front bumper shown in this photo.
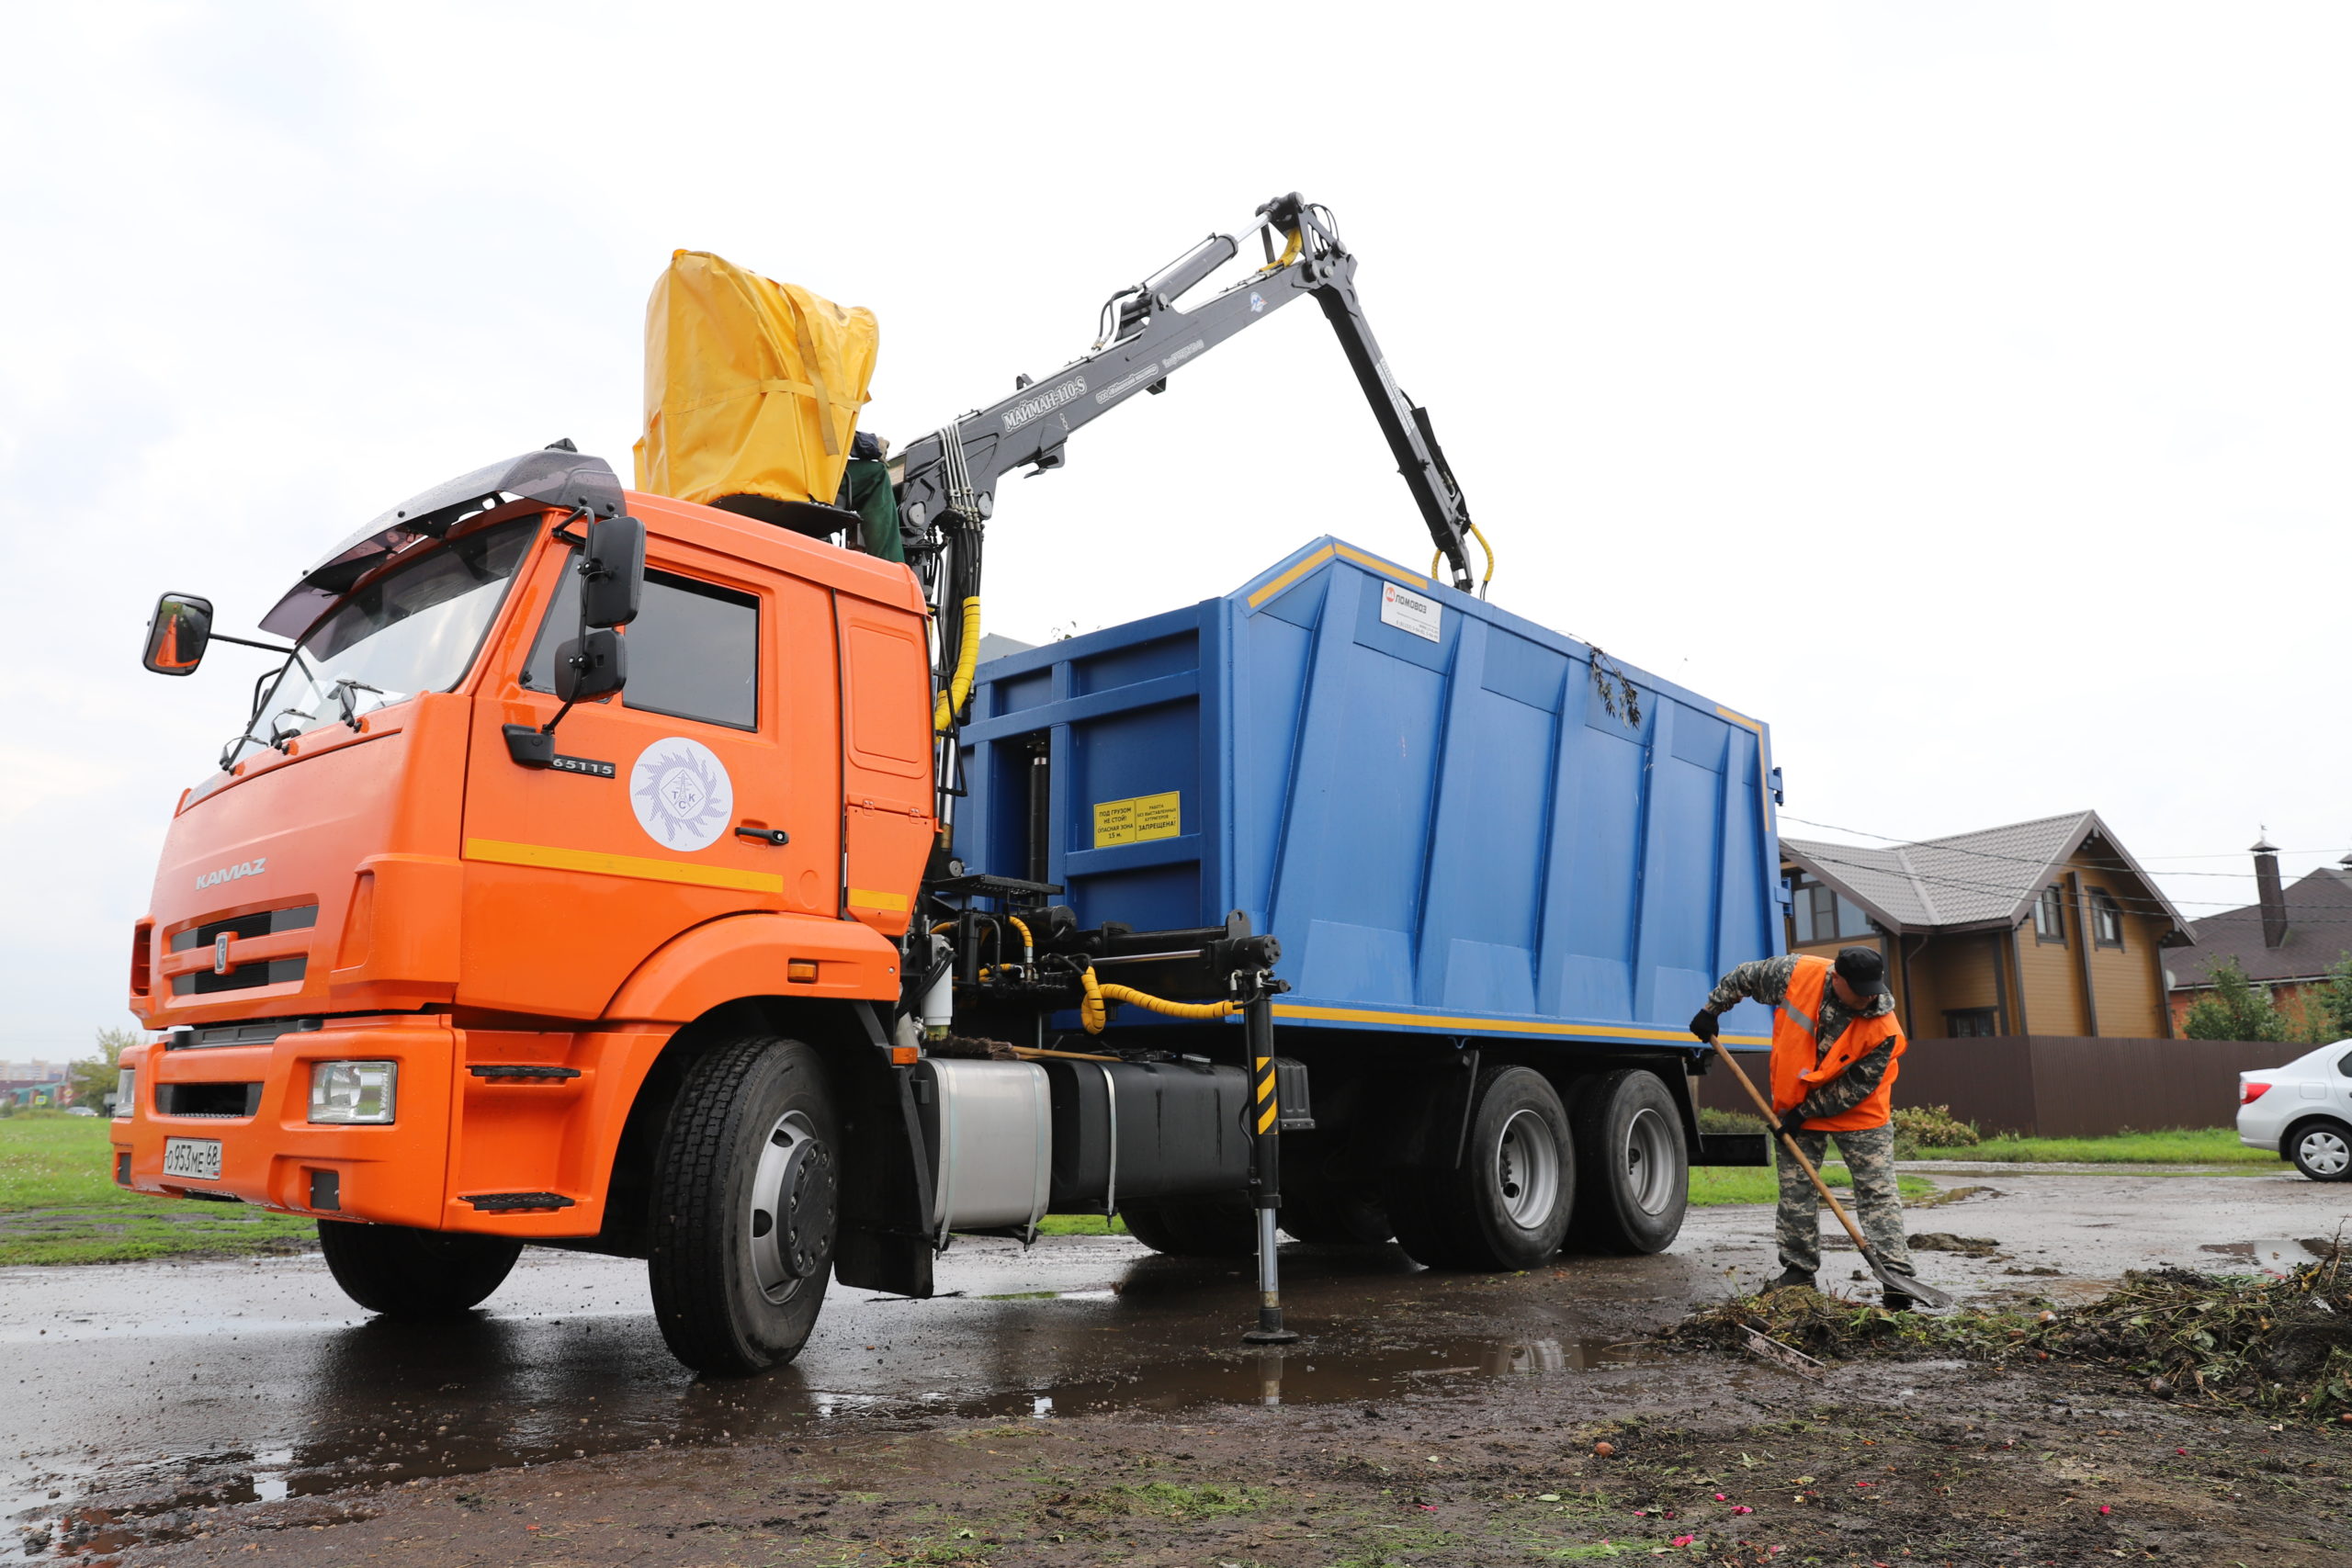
(474, 1147)
(395, 1174)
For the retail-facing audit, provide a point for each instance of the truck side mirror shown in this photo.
(177, 634)
(593, 664)
(613, 569)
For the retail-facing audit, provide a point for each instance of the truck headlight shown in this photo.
(126, 1091)
(353, 1092)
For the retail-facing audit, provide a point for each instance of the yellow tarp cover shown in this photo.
(751, 387)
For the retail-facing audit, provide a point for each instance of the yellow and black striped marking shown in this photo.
(1267, 1110)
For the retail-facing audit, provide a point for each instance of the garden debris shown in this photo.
(1944, 1241)
(2278, 1344)
(1953, 1195)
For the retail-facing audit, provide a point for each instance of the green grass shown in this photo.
(2203, 1145)
(59, 1204)
(1712, 1184)
(1081, 1224)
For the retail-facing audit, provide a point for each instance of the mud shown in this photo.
(1087, 1402)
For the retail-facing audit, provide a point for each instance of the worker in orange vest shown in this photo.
(1835, 1048)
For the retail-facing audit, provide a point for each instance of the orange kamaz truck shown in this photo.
(666, 877)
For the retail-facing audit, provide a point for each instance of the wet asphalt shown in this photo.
(177, 1385)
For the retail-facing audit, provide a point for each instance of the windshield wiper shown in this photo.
(344, 686)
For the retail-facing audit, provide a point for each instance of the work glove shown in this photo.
(1702, 1024)
(1790, 1124)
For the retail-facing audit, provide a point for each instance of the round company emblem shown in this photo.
(680, 792)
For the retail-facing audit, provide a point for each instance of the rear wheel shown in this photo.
(2321, 1150)
(403, 1272)
(1633, 1165)
(745, 1205)
(1217, 1224)
(1507, 1205)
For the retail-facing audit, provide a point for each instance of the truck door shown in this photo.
(664, 816)
(886, 763)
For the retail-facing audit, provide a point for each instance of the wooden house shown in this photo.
(2043, 928)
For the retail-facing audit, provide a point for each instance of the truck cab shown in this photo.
(409, 974)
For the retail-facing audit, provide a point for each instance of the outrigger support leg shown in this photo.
(1258, 1026)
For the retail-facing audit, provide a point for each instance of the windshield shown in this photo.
(414, 629)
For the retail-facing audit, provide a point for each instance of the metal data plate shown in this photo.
(198, 1159)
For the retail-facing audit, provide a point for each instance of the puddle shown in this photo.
(2280, 1256)
(388, 1421)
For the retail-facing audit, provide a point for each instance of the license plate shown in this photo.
(196, 1158)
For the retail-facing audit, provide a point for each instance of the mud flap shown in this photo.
(884, 1244)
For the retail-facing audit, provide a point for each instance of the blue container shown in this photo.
(1424, 796)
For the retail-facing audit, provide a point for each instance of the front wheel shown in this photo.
(1507, 1205)
(2323, 1151)
(745, 1206)
(404, 1272)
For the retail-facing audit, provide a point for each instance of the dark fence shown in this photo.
(2055, 1086)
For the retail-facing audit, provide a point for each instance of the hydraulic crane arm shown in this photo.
(949, 476)
(947, 480)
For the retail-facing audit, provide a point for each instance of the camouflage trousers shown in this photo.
(1877, 1206)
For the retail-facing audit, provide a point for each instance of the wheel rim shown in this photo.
(1649, 1162)
(2326, 1152)
(1527, 1169)
(790, 1215)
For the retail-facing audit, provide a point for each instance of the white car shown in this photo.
(2303, 1110)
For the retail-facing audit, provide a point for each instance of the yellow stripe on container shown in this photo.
(867, 898)
(1501, 1025)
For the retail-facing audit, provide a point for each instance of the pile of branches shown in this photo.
(2281, 1344)
(2278, 1344)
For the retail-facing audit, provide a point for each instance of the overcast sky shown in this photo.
(1961, 389)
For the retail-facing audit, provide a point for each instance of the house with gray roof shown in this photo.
(2285, 940)
(2047, 927)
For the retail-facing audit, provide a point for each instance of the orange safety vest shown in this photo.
(1798, 1066)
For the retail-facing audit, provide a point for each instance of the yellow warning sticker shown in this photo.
(1114, 823)
(1159, 816)
(1138, 820)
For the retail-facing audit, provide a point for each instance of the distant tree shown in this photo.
(2236, 1008)
(93, 1079)
(2327, 1005)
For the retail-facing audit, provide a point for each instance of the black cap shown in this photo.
(1863, 970)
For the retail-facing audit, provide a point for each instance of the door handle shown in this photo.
(775, 836)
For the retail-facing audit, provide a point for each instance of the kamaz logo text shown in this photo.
(231, 873)
(1043, 402)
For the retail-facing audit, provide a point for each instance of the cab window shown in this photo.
(694, 650)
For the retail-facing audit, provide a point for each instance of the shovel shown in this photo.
(1894, 1278)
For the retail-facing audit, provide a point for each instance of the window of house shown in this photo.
(1824, 914)
(2050, 914)
(2107, 918)
(1972, 1023)
(694, 650)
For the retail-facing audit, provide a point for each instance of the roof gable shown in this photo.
(1989, 876)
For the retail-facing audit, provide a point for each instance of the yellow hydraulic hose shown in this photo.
(1094, 1011)
(968, 659)
(1437, 562)
(1028, 943)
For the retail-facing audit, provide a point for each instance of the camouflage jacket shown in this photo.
(1766, 980)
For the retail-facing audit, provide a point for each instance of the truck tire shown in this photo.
(746, 1201)
(1633, 1165)
(1507, 1205)
(1334, 1216)
(1219, 1224)
(404, 1272)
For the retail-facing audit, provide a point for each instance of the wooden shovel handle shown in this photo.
(1772, 1119)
